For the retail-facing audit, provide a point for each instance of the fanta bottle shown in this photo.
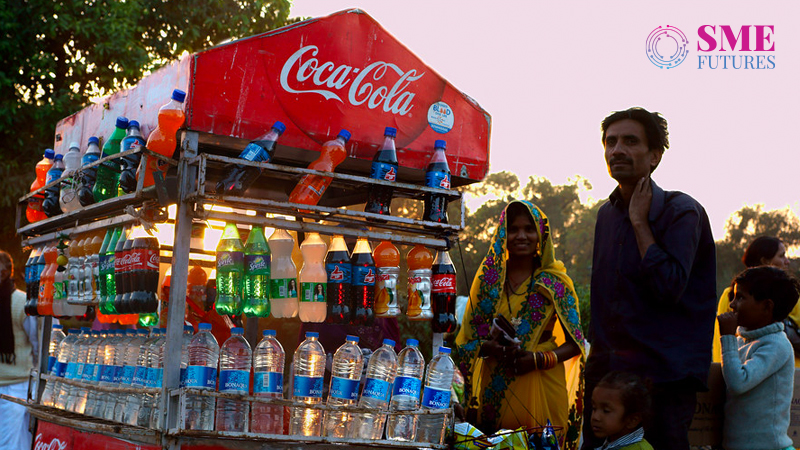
(163, 139)
(311, 187)
(313, 279)
(387, 261)
(419, 260)
(34, 211)
(283, 277)
(45, 305)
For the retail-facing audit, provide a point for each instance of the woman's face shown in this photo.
(780, 260)
(523, 238)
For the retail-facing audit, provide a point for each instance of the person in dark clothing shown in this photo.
(653, 293)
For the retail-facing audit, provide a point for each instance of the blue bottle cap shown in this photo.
(280, 127)
(344, 134)
(237, 330)
(49, 153)
(131, 332)
(390, 131)
(204, 326)
(85, 329)
(188, 328)
(95, 333)
(57, 327)
(74, 331)
(141, 332)
(133, 123)
(94, 140)
(59, 157)
(412, 343)
(351, 338)
(268, 333)
(310, 334)
(178, 95)
(388, 342)
(440, 143)
(445, 350)
(122, 122)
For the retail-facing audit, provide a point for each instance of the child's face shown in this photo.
(750, 313)
(608, 414)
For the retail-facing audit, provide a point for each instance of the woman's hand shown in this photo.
(501, 353)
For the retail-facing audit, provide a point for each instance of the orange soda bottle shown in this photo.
(419, 260)
(34, 212)
(163, 139)
(311, 187)
(45, 305)
(387, 262)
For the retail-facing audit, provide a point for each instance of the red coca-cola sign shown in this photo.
(445, 283)
(153, 259)
(138, 259)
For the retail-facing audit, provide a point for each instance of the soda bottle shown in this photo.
(201, 373)
(381, 371)
(144, 274)
(255, 289)
(230, 267)
(384, 167)
(268, 361)
(195, 288)
(32, 282)
(419, 260)
(443, 293)
(348, 362)
(108, 291)
(68, 198)
(363, 283)
(163, 139)
(313, 279)
(91, 251)
(34, 212)
(387, 263)
(283, 279)
(59, 297)
(105, 186)
(311, 187)
(120, 269)
(405, 393)
(50, 204)
(238, 178)
(437, 176)
(235, 359)
(45, 305)
(133, 140)
(309, 370)
(88, 175)
(339, 272)
(436, 396)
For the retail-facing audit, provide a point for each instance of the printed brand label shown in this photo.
(407, 386)
(268, 383)
(339, 273)
(256, 265)
(444, 284)
(127, 375)
(88, 372)
(89, 158)
(140, 376)
(254, 152)
(138, 259)
(307, 386)
(201, 377)
(440, 117)
(155, 377)
(383, 171)
(51, 362)
(283, 288)
(313, 292)
(117, 377)
(106, 373)
(110, 262)
(59, 369)
(378, 389)
(182, 382)
(435, 398)
(153, 259)
(230, 261)
(437, 180)
(72, 371)
(58, 293)
(364, 276)
(110, 165)
(234, 381)
(344, 388)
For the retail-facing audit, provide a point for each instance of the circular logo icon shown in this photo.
(440, 117)
(667, 47)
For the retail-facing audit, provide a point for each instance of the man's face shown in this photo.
(626, 152)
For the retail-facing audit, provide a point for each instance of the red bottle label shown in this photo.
(444, 284)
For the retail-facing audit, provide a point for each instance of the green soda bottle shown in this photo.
(230, 268)
(256, 274)
(108, 274)
(148, 319)
(105, 186)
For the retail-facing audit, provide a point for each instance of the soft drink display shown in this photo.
(405, 393)
(363, 283)
(309, 371)
(230, 268)
(381, 371)
(387, 263)
(311, 187)
(313, 279)
(239, 178)
(268, 361)
(436, 396)
(105, 186)
(348, 363)
(68, 197)
(108, 291)
(257, 260)
(201, 373)
(144, 274)
(34, 212)
(419, 260)
(437, 176)
(88, 176)
(384, 167)
(56, 336)
(50, 204)
(123, 277)
(443, 293)
(340, 275)
(235, 359)
(283, 279)
(133, 140)
(163, 139)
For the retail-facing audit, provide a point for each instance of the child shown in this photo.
(758, 366)
(620, 403)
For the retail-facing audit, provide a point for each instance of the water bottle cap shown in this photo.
(351, 338)
(445, 350)
(344, 134)
(122, 122)
(133, 123)
(74, 145)
(59, 157)
(440, 143)
(49, 153)
(204, 326)
(310, 334)
(388, 342)
(268, 333)
(95, 333)
(280, 127)
(390, 131)
(74, 331)
(57, 327)
(178, 95)
(237, 330)
(94, 140)
(141, 332)
(188, 328)
(412, 343)
(131, 332)
(85, 329)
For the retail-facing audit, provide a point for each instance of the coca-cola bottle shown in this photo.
(144, 274)
(363, 283)
(443, 293)
(121, 261)
(437, 176)
(384, 167)
(340, 274)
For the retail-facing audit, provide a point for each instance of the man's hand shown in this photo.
(727, 323)
(639, 207)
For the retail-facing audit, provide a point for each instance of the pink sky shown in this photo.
(548, 72)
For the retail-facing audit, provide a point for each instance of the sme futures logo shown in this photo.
(722, 47)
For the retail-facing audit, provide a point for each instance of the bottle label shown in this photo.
(307, 386)
(140, 376)
(89, 158)
(256, 264)
(107, 263)
(229, 261)
(437, 180)
(153, 259)
(364, 276)
(111, 165)
(182, 382)
(106, 373)
(72, 371)
(313, 292)
(339, 273)
(51, 362)
(58, 293)
(435, 398)
(444, 284)
(117, 374)
(234, 381)
(383, 171)
(88, 372)
(127, 375)
(138, 259)
(201, 377)
(377, 389)
(254, 152)
(344, 388)
(407, 386)
(59, 369)
(283, 288)
(268, 383)
(155, 377)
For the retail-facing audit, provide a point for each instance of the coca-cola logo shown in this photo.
(391, 175)
(153, 260)
(337, 274)
(54, 444)
(369, 277)
(444, 283)
(136, 260)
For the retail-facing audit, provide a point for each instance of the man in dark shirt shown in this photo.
(653, 293)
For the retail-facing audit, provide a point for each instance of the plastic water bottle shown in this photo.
(129, 366)
(405, 393)
(235, 360)
(309, 370)
(105, 186)
(345, 377)
(437, 176)
(53, 368)
(133, 140)
(88, 356)
(313, 279)
(34, 212)
(155, 379)
(230, 268)
(283, 277)
(311, 187)
(186, 338)
(68, 197)
(387, 263)
(75, 368)
(201, 373)
(381, 371)
(257, 260)
(436, 396)
(118, 351)
(65, 355)
(51, 205)
(139, 380)
(88, 176)
(97, 358)
(107, 359)
(384, 167)
(268, 362)
(238, 178)
(162, 140)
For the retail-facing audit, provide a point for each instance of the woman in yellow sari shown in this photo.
(523, 383)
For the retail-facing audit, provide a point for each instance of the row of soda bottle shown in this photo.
(259, 278)
(130, 358)
(82, 186)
